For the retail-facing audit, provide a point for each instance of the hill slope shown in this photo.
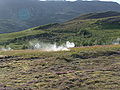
(9, 25)
(32, 13)
(95, 31)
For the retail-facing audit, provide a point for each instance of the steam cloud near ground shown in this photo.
(116, 42)
(6, 49)
(36, 45)
(51, 47)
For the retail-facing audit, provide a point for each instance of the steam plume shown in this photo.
(51, 47)
(6, 49)
(116, 42)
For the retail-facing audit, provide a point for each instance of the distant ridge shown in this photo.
(31, 13)
(99, 15)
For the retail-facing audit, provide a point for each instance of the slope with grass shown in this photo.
(34, 12)
(90, 29)
(10, 25)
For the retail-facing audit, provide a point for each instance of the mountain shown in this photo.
(9, 25)
(89, 29)
(30, 13)
(99, 15)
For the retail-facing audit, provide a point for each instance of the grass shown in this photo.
(81, 68)
(83, 32)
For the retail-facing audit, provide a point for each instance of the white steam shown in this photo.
(6, 49)
(116, 42)
(51, 47)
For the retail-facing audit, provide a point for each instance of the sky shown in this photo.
(118, 1)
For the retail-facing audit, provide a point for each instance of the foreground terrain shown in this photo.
(81, 68)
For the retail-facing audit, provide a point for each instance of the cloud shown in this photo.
(118, 1)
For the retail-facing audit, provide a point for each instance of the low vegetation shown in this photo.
(86, 30)
(81, 68)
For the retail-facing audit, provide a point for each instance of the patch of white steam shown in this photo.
(51, 47)
(116, 42)
(6, 49)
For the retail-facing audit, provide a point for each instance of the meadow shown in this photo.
(81, 68)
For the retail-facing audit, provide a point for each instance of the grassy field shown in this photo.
(81, 68)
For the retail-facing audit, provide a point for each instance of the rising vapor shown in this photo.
(51, 47)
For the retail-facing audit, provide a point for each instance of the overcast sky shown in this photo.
(102, 0)
(112, 0)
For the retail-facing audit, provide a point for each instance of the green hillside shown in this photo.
(90, 29)
(11, 25)
(31, 13)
